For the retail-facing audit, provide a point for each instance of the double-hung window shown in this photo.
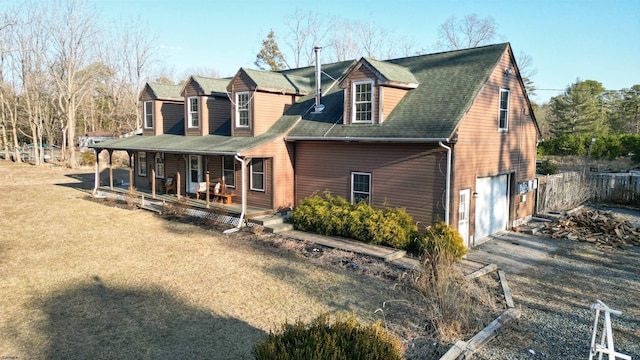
(142, 164)
(148, 114)
(242, 109)
(257, 174)
(193, 115)
(229, 171)
(360, 187)
(362, 102)
(160, 165)
(503, 117)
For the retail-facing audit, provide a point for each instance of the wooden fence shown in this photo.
(566, 190)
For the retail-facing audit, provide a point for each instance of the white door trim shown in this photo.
(463, 215)
(193, 183)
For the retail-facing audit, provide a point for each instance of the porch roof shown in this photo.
(202, 145)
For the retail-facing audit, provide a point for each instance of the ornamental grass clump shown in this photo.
(334, 216)
(342, 338)
(457, 305)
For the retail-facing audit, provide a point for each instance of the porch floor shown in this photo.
(231, 209)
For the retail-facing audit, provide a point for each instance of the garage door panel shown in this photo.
(492, 205)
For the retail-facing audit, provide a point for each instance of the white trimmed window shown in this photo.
(159, 165)
(242, 109)
(503, 117)
(229, 171)
(148, 114)
(257, 174)
(193, 115)
(362, 96)
(360, 187)
(142, 164)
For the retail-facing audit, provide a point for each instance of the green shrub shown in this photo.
(440, 240)
(547, 167)
(323, 339)
(335, 216)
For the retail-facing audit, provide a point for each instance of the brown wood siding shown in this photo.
(146, 96)
(171, 113)
(281, 155)
(219, 112)
(241, 84)
(390, 98)
(257, 198)
(358, 75)
(190, 91)
(174, 163)
(142, 182)
(482, 150)
(268, 107)
(402, 175)
(203, 107)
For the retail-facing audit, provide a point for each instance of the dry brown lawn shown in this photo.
(84, 280)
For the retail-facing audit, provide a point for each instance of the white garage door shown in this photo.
(492, 205)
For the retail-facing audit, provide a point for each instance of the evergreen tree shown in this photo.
(631, 109)
(580, 110)
(270, 57)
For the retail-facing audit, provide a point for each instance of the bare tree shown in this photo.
(306, 31)
(527, 72)
(471, 31)
(343, 43)
(74, 34)
(29, 64)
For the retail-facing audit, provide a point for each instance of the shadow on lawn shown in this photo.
(97, 321)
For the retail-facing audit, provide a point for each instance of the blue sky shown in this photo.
(594, 40)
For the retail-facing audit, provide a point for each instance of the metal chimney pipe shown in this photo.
(318, 107)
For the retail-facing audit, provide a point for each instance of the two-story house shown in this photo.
(448, 136)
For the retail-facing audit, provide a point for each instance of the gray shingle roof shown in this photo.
(204, 145)
(392, 73)
(449, 82)
(212, 86)
(269, 80)
(165, 91)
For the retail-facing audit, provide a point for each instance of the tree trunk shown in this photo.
(5, 142)
(71, 130)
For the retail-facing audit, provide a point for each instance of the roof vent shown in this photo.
(318, 107)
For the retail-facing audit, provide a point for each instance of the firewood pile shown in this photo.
(595, 226)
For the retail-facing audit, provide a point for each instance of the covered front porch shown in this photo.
(151, 200)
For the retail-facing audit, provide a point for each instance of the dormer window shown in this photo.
(192, 106)
(362, 102)
(242, 109)
(148, 114)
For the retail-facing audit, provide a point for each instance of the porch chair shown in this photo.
(169, 184)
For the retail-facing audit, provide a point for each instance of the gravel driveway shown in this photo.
(554, 283)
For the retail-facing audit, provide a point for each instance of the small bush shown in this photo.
(440, 240)
(87, 158)
(547, 167)
(323, 339)
(335, 216)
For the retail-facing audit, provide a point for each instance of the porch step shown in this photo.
(268, 220)
(278, 228)
(273, 223)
